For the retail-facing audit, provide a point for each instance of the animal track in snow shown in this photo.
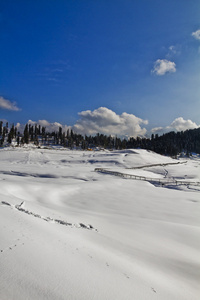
(11, 247)
(21, 208)
(126, 275)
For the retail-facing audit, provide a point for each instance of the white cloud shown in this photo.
(49, 127)
(196, 34)
(8, 105)
(172, 49)
(101, 120)
(179, 124)
(157, 129)
(106, 121)
(163, 66)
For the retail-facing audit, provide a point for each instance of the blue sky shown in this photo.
(63, 61)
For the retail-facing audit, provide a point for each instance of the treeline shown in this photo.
(171, 143)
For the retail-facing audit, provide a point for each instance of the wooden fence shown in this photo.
(162, 181)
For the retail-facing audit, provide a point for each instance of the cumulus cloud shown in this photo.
(157, 130)
(101, 120)
(179, 124)
(196, 34)
(8, 105)
(163, 66)
(106, 121)
(49, 127)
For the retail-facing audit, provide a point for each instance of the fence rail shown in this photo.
(162, 181)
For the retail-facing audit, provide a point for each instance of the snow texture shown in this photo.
(68, 232)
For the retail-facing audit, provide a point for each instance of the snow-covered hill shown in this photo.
(68, 232)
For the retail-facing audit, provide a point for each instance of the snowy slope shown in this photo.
(142, 243)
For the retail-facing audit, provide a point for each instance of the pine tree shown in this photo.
(11, 134)
(26, 134)
(1, 128)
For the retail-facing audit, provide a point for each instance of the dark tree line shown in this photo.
(170, 143)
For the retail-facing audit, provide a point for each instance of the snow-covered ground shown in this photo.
(70, 233)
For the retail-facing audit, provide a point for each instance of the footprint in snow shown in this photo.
(20, 208)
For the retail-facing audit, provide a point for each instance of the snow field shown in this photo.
(147, 241)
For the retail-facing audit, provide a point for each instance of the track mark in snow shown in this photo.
(24, 174)
(5, 203)
(193, 189)
(126, 276)
(37, 175)
(159, 165)
(11, 247)
(20, 208)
